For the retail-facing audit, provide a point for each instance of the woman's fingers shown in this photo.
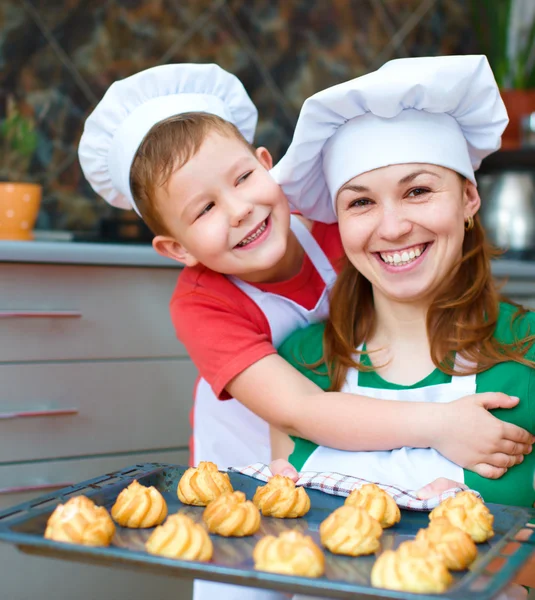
(438, 486)
(283, 467)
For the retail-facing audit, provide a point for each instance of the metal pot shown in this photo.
(508, 209)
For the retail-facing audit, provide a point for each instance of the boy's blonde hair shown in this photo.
(167, 147)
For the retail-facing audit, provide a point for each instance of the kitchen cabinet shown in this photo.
(25, 577)
(517, 279)
(92, 380)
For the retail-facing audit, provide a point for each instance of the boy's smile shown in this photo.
(223, 210)
(254, 236)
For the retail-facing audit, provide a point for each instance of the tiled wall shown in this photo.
(60, 56)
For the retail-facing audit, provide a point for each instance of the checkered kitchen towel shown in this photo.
(342, 485)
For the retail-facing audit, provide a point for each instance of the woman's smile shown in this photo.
(396, 261)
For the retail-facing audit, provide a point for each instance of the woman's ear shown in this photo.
(472, 201)
(264, 158)
(170, 248)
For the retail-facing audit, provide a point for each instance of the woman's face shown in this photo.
(402, 227)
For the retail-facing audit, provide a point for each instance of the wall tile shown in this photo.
(60, 56)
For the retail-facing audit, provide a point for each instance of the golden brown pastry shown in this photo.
(291, 553)
(455, 546)
(350, 530)
(232, 515)
(416, 549)
(467, 512)
(379, 504)
(80, 521)
(180, 537)
(138, 506)
(411, 570)
(280, 498)
(199, 486)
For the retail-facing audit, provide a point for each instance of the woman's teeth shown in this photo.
(253, 236)
(399, 259)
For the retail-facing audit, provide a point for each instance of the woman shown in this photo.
(392, 156)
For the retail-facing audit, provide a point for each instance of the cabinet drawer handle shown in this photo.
(29, 414)
(40, 314)
(33, 488)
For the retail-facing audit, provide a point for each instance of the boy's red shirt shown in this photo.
(222, 329)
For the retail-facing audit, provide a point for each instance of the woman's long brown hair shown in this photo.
(462, 318)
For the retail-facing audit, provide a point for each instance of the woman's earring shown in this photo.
(469, 223)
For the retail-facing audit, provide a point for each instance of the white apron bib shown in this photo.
(410, 468)
(226, 432)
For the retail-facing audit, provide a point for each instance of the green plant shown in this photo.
(505, 30)
(18, 140)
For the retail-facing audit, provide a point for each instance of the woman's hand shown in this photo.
(283, 467)
(438, 486)
(470, 436)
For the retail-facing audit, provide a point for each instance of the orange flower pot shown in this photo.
(518, 104)
(19, 206)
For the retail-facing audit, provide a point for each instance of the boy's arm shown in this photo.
(228, 339)
(463, 431)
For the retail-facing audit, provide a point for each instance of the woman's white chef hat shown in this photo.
(116, 128)
(444, 110)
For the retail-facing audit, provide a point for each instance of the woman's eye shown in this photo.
(206, 209)
(418, 192)
(243, 177)
(359, 202)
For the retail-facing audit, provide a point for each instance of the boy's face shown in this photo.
(223, 210)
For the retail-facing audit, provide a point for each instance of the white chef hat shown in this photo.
(116, 128)
(443, 110)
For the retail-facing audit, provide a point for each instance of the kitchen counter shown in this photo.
(83, 253)
(143, 255)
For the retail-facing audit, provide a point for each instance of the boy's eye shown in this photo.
(243, 177)
(359, 202)
(206, 209)
(418, 192)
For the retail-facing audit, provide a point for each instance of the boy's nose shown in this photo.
(239, 210)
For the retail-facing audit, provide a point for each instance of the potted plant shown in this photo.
(505, 30)
(19, 196)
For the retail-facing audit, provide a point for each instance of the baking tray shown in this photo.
(497, 563)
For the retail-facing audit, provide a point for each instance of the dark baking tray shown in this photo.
(497, 563)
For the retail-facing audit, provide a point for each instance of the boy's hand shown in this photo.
(474, 439)
(283, 467)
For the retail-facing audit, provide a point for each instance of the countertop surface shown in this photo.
(143, 255)
(84, 253)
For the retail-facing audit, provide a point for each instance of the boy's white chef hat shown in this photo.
(117, 126)
(444, 110)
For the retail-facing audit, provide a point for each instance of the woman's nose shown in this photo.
(394, 224)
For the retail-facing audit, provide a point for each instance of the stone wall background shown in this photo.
(59, 56)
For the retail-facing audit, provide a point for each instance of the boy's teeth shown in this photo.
(254, 235)
(402, 258)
